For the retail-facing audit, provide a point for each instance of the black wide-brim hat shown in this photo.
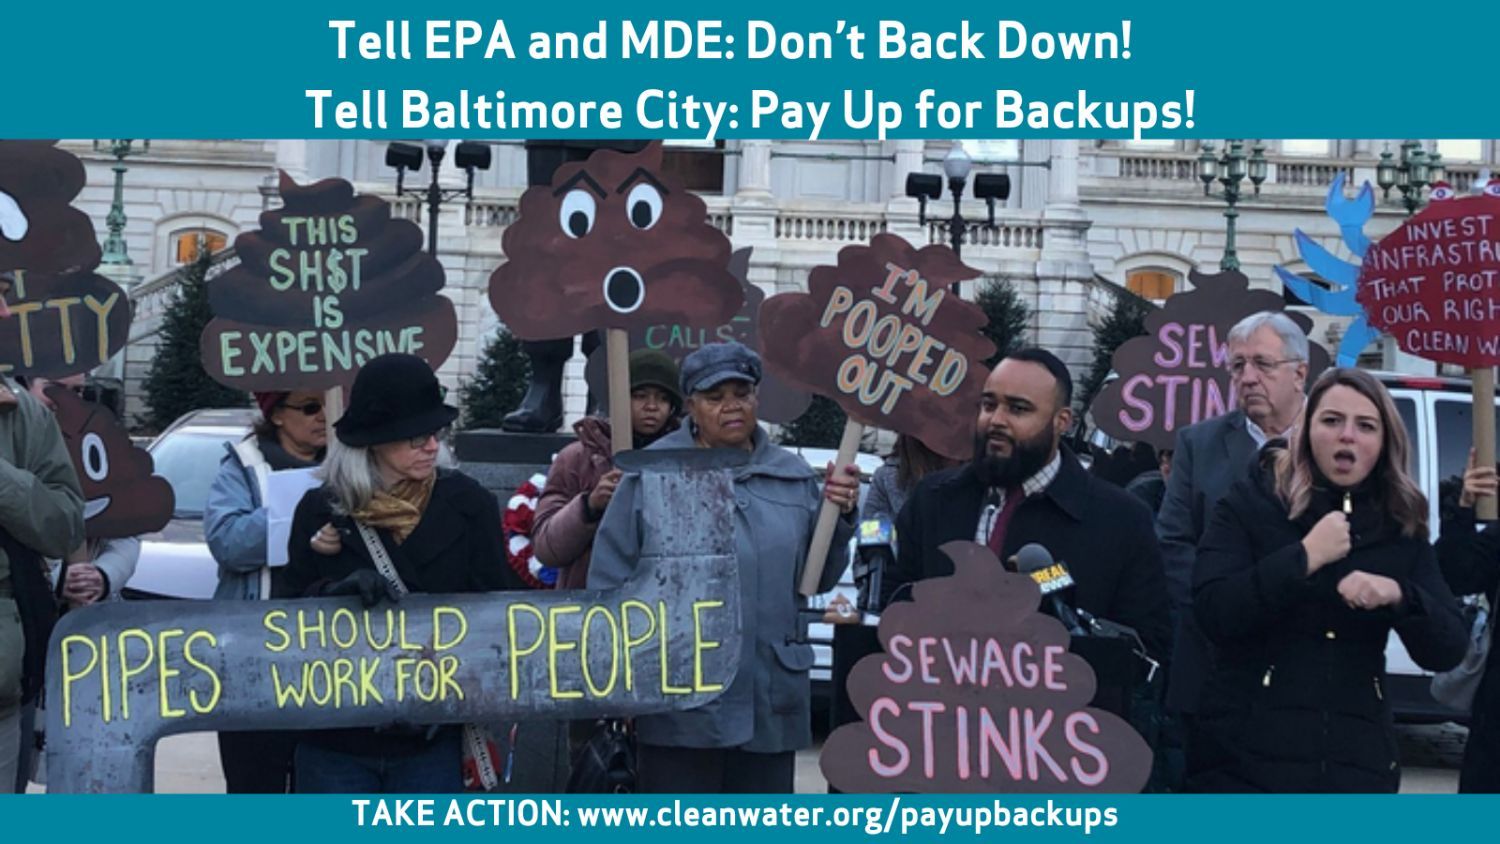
(395, 397)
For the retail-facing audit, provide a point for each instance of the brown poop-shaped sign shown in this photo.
(881, 334)
(64, 317)
(63, 324)
(39, 230)
(613, 242)
(120, 495)
(977, 692)
(1177, 374)
(329, 281)
(777, 401)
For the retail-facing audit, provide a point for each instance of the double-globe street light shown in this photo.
(1230, 171)
(1415, 170)
(956, 167)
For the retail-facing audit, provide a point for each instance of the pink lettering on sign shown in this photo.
(1434, 282)
(977, 691)
(1177, 373)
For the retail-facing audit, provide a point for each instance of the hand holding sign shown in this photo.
(1434, 285)
(881, 334)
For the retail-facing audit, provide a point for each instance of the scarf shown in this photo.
(399, 508)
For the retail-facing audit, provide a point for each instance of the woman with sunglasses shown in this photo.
(387, 521)
(291, 433)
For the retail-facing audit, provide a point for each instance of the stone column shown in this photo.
(1064, 272)
(753, 212)
(901, 211)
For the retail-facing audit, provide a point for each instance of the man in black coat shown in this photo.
(1023, 486)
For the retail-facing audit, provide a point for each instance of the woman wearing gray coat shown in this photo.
(744, 740)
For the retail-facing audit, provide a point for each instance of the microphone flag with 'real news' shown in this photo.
(1035, 561)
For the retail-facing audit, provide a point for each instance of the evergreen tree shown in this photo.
(1007, 319)
(820, 426)
(176, 382)
(498, 384)
(1127, 320)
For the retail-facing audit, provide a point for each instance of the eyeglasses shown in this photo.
(421, 442)
(312, 408)
(1265, 365)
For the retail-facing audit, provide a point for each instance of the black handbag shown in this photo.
(605, 764)
(33, 596)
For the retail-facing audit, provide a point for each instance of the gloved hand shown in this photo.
(367, 584)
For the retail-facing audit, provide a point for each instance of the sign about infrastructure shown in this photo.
(329, 281)
(976, 691)
(613, 242)
(1434, 283)
(121, 496)
(776, 400)
(1177, 374)
(882, 334)
(64, 318)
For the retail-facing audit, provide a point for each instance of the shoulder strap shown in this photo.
(381, 557)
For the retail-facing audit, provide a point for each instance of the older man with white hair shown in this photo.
(1268, 360)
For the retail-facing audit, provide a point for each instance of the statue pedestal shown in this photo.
(502, 461)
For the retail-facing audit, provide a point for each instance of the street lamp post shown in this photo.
(1231, 171)
(468, 156)
(956, 167)
(114, 244)
(1415, 170)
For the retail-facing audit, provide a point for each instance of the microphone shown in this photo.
(1036, 561)
(874, 549)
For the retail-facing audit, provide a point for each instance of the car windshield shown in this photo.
(189, 461)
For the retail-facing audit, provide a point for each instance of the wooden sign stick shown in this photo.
(1486, 508)
(333, 406)
(828, 514)
(617, 347)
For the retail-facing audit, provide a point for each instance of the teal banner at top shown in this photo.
(463, 68)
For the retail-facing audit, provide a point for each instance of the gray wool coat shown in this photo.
(767, 708)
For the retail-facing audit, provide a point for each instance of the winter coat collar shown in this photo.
(767, 459)
(1069, 490)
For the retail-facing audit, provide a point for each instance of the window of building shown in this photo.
(185, 243)
(1306, 146)
(993, 150)
(1461, 150)
(1155, 285)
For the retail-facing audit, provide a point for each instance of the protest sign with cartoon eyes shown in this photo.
(613, 243)
(121, 496)
(329, 281)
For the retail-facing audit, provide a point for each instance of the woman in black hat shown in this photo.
(438, 529)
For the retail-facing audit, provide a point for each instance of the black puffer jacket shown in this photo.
(1471, 563)
(1296, 702)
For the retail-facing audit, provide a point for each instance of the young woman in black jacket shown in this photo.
(1471, 563)
(1305, 568)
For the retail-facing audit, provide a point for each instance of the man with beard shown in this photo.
(1024, 486)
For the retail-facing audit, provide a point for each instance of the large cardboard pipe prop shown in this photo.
(64, 317)
(1434, 285)
(881, 334)
(122, 676)
(613, 243)
(775, 400)
(121, 496)
(1177, 374)
(328, 282)
(977, 692)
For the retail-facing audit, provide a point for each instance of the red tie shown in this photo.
(1013, 498)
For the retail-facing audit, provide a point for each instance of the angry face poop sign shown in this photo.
(612, 243)
(977, 692)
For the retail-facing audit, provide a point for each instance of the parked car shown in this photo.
(175, 562)
(1437, 412)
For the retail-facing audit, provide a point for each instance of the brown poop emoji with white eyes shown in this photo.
(121, 496)
(613, 242)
